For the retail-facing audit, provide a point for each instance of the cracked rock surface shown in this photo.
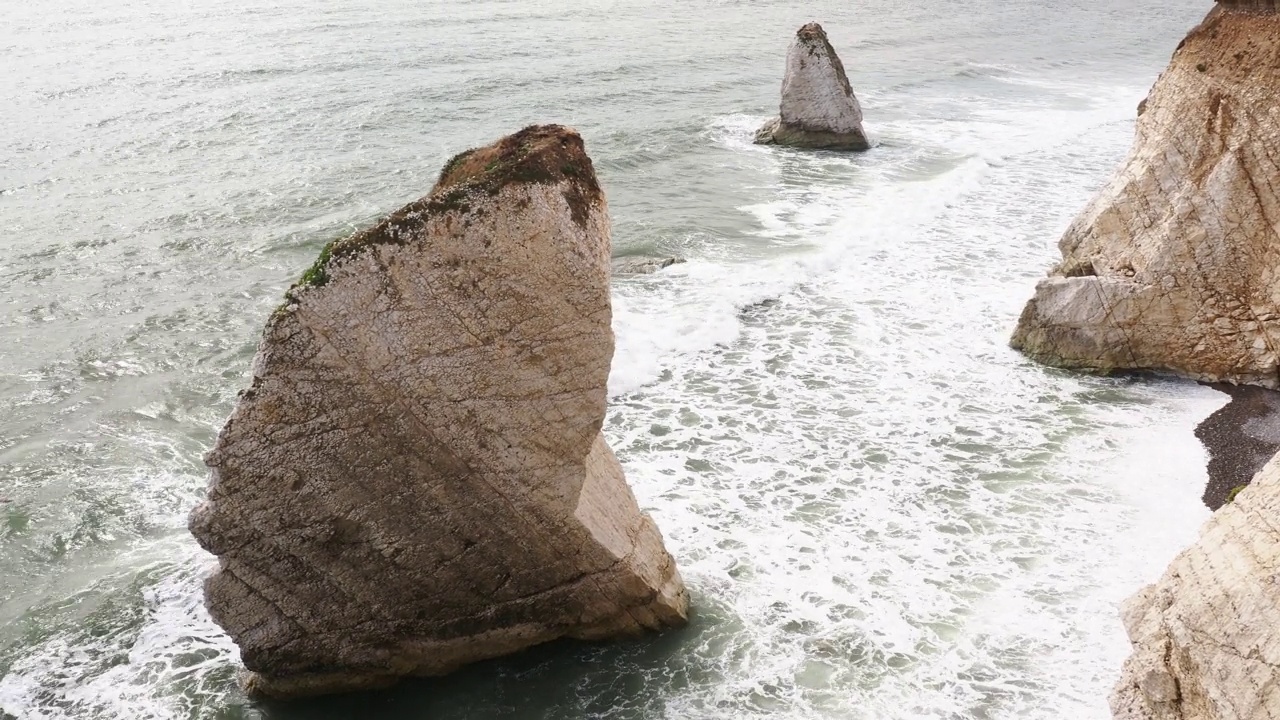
(1175, 265)
(416, 477)
(818, 109)
(1205, 640)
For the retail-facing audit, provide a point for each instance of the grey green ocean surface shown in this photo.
(881, 511)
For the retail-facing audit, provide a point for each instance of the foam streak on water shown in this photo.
(882, 511)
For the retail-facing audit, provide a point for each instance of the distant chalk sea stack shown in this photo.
(416, 478)
(819, 109)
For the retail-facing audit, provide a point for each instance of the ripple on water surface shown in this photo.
(881, 511)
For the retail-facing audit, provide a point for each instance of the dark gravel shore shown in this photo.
(1240, 439)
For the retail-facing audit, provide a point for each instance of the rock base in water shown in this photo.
(776, 133)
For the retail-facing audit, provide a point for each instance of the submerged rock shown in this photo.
(1205, 640)
(819, 109)
(643, 265)
(1175, 265)
(416, 478)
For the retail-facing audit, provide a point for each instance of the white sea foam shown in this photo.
(144, 649)
(881, 510)
(907, 519)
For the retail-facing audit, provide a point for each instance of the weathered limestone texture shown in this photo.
(416, 478)
(819, 109)
(1175, 265)
(1206, 637)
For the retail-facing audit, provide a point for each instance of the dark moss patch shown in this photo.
(318, 273)
(1231, 496)
(453, 163)
(537, 155)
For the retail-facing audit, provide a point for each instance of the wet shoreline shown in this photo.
(1240, 438)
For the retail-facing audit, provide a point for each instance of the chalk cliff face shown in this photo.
(1206, 637)
(1175, 265)
(819, 109)
(416, 478)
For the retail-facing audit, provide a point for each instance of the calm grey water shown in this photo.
(881, 511)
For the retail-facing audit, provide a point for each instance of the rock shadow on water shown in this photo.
(557, 681)
(802, 169)
(1240, 438)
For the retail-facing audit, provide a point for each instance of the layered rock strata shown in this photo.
(1205, 638)
(416, 477)
(818, 109)
(1175, 265)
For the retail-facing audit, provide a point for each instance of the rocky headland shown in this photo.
(818, 108)
(1175, 267)
(1206, 637)
(416, 477)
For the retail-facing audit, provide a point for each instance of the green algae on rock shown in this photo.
(538, 154)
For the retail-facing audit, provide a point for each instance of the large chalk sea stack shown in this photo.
(416, 478)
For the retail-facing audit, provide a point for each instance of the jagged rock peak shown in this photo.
(1174, 265)
(818, 109)
(538, 154)
(1206, 637)
(416, 477)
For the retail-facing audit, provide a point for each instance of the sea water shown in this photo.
(880, 510)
